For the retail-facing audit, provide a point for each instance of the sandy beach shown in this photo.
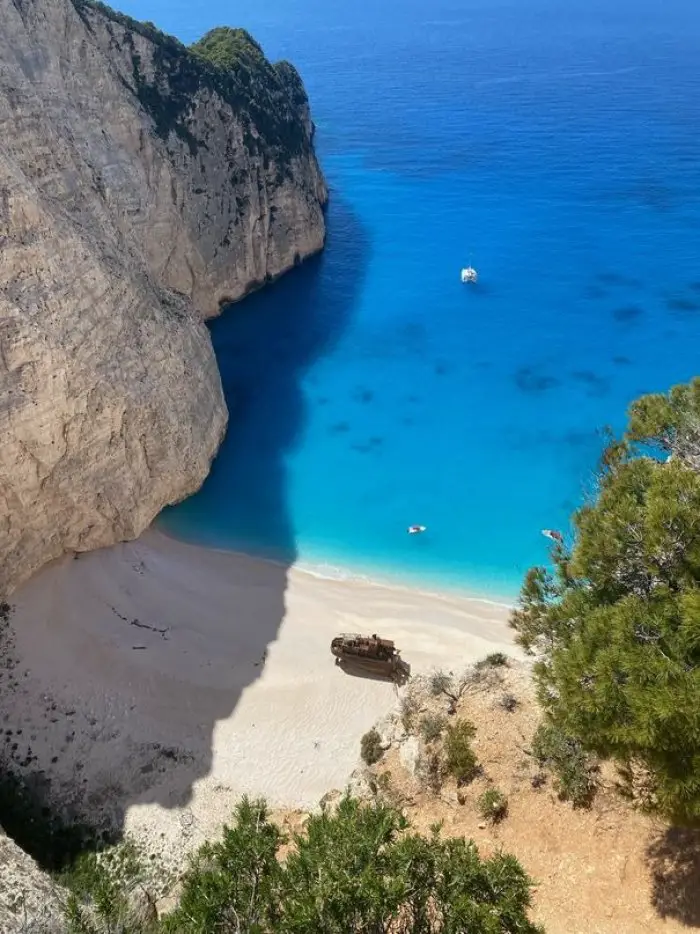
(158, 681)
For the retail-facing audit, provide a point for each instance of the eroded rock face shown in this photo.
(139, 189)
(29, 902)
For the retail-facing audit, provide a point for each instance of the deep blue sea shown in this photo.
(554, 144)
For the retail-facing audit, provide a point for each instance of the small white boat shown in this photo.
(469, 274)
(415, 529)
(553, 534)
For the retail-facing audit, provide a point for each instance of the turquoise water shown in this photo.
(555, 148)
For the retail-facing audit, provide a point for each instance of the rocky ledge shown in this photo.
(142, 186)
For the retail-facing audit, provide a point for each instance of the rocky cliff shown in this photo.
(29, 902)
(141, 186)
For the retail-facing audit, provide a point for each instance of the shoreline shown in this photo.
(325, 571)
(155, 682)
(402, 584)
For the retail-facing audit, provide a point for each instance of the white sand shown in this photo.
(168, 727)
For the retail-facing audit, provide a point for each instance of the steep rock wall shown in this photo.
(139, 189)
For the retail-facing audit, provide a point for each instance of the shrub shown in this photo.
(431, 727)
(494, 660)
(574, 770)
(444, 684)
(101, 887)
(237, 878)
(430, 769)
(440, 683)
(358, 869)
(461, 759)
(493, 805)
(371, 747)
(228, 48)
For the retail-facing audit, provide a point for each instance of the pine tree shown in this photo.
(358, 869)
(617, 622)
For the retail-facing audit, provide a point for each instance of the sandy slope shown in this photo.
(157, 680)
(607, 869)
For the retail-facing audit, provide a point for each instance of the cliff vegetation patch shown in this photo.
(270, 100)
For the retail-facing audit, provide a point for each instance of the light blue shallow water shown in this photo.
(553, 144)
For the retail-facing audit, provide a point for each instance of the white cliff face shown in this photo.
(134, 199)
(29, 902)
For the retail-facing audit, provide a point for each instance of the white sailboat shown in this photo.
(469, 274)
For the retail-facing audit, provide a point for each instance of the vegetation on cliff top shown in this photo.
(229, 48)
(269, 99)
(617, 622)
(356, 870)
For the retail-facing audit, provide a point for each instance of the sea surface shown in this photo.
(556, 147)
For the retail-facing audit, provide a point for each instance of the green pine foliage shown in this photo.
(99, 885)
(575, 772)
(359, 869)
(235, 881)
(617, 621)
(461, 759)
(356, 870)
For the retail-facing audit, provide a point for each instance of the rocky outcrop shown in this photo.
(29, 901)
(141, 186)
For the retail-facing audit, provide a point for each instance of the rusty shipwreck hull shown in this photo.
(371, 654)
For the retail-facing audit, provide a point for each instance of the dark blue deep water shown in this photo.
(557, 146)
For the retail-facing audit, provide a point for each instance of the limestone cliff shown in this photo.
(29, 902)
(140, 187)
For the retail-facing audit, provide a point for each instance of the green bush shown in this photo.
(493, 805)
(432, 726)
(371, 747)
(228, 48)
(564, 756)
(494, 660)
(100, 886)
(461, 759)
(353, 871)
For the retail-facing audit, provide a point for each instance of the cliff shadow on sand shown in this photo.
(119, 665)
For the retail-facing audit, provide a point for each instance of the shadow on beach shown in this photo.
(356, 670)
(132, 730)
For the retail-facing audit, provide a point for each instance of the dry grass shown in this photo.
(603, 870)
